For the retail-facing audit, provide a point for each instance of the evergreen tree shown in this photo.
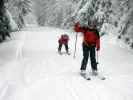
(4, 22)
(23, 7)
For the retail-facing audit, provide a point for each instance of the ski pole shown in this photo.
(74, 56)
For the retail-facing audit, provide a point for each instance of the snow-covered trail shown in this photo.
(47, 75)
(56, 77)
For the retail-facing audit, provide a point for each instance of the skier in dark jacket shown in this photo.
(63, 40)
(91, 43)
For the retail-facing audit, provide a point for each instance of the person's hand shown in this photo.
(98, 49)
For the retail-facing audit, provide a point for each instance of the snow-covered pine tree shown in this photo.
(4, 22)
(123, 21)
(55, 12)
(23, 7)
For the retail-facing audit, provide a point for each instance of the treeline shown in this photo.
(12, 16)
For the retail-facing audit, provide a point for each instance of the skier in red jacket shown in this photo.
(63, 40)
(91, 43)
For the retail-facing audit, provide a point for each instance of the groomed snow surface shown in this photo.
(31, 69)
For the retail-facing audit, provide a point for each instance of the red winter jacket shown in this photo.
(91, 36)
(63, 39)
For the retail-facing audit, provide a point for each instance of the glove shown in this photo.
(98, 49)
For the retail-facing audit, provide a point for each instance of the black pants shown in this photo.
(88, 51)
(60, 46)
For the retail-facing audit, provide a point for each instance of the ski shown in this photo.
(85, 76)
(101, 77)
(64, 53)
(98, 76)
(90, 76)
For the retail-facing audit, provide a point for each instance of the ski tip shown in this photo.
(103, 78)
(88, 78)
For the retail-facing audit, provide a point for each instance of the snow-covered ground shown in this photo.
(31, 69)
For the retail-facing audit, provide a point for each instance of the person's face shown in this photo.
(92, 25)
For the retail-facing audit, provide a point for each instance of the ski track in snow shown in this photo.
(38, 72)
